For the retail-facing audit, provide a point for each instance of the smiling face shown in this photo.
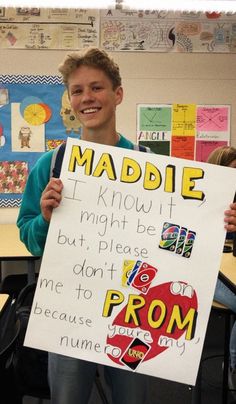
(94, 102)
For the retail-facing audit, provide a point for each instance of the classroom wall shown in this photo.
(147, 78)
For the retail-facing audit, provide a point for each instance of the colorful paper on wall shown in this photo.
(187, 131)
(184, 120)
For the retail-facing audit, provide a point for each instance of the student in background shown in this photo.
(223, 156)
(226, 156)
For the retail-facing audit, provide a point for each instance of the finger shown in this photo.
(50, 203)
(230, 213)
(230, 219)
(230, 228)
(51, 194)
(47, 206)
(54, 184)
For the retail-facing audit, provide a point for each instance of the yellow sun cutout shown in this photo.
(35, 114)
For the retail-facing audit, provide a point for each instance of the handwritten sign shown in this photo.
(131, 260)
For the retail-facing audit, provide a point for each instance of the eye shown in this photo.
(97, 88)
(76, 91)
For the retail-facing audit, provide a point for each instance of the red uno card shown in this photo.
(135, 353)
(144, 277)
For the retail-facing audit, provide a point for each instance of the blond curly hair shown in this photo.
(91, 57)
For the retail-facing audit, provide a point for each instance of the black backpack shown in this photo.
(30, 365)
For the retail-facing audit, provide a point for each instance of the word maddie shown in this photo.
(131, 172)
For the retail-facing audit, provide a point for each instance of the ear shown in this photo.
(119, 95)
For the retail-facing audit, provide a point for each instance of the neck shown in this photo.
(110, 139)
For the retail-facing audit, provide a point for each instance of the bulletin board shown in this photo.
(186, 131)
(35, 116)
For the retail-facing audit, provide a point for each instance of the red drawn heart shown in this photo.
(169, 302)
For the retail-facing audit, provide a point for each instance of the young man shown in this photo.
(94, 88)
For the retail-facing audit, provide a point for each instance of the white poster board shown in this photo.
(131, 260)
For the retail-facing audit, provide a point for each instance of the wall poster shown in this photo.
(48, 28)
(163, 31)
(187, 131)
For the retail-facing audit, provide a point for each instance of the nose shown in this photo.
(87, 95)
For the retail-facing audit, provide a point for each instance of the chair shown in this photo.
(45, 394)
(23, 386)
(100, 389)
(12, 284)
(228, 315)
(7, 346)
(20, 372)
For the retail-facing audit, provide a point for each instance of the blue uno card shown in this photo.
(128, 266)
(188, 246)
(181, 240)
(169, 236)
(133, 272)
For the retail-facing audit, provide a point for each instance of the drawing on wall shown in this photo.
(13, 176)
(187, 131)
(70, 121)
(3, 96)
(42, 28)
(117, 30)
(30, 123)
(159, 31)
(25, 137)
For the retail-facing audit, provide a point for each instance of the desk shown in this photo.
(3, 299)
(12, 249)
(228, 267)
(228, 270)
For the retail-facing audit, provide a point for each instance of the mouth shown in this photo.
(88, 111)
